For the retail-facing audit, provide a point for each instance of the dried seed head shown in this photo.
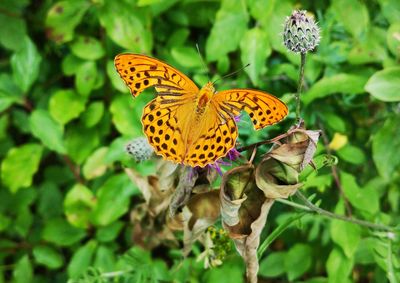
(301, 33)
(140, 149)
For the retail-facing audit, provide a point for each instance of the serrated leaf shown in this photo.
(10, 37)
(25, 64)
(384, 85)
(48, 131)
(65, 105)
(80, 142)
(20, 165)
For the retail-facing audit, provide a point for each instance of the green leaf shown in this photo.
(229, 27)
(50, 201)
(338, 83)
(370, 49)
(255, 50)
(95, 165)
(358, 23)
(5, 221)
(126, 26)
(384, 85)
(20, 165)
(297, 261)
(271, 15)
(93, 114)
(80, 142)
(48, 257)
(385, 142)
(363, 199)
(125, 116)
(113, 199)
(86, 77)
(81, 259)
(48, 131)
(78, 204)
(110, 232)
(66, 105)
(339, 266)
(58, 231)
(104, 258)
(9, 92)
(273, 265)
(71, 64)
(25, 64)
(391, 10)
(115, 78)
(393, 39)
(186, 57)
(23, 271)
(346, 235)
(63, 17)
(10, 37)
(23, 222)
(87, 47)
(352, 154)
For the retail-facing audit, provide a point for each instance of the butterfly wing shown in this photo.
(140, 72)
(216, 137)
(263, 108)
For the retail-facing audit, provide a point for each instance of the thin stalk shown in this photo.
(300, 84)
(329, 214)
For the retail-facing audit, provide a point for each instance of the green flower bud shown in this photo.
(140, 149)
(301, 33)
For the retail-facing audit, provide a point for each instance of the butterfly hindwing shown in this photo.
(264, 109)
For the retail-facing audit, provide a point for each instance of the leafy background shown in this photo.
(66, 116)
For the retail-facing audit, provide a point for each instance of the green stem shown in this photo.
(300, 85)
(314, 208)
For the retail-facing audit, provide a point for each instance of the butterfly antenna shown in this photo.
(231, 74)
(203, 62)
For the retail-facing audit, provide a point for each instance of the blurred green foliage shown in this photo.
(65, 117)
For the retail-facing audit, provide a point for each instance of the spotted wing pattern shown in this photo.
(264, 109)
(140, 72)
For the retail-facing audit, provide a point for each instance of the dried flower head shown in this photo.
(140, 149)
(301, 33)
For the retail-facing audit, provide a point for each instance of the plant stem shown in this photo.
(300, 85)
(314, 208)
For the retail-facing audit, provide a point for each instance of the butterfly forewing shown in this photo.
(140, 72)
(264, 109)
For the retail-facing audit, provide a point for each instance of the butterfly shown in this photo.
(189, 125)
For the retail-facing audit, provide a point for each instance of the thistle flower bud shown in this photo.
(140, 149)
(301, 33)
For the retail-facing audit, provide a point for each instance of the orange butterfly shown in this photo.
(187, 125)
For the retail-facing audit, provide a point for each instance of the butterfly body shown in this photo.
(189, 125)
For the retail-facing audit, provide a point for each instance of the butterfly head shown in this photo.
(206, 93)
